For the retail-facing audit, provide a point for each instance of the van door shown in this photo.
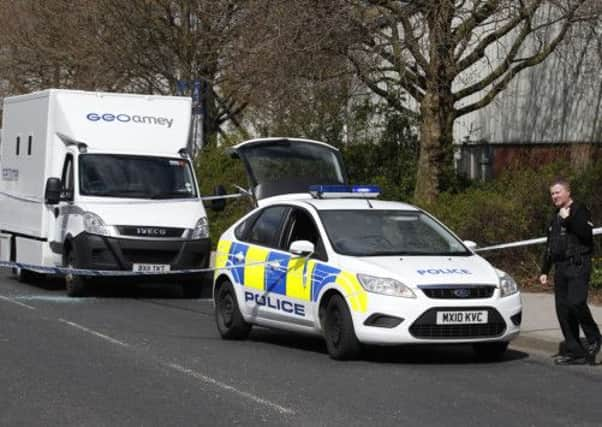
(65, 207)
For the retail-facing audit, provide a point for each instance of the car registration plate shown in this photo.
(461, 317)
(150, 268)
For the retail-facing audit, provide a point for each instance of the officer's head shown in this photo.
(560, 191)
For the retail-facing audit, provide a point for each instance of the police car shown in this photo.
(320, 256)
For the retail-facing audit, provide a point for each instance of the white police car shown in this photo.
(337, 262)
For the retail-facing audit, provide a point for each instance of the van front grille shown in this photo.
(149, 232)
(149, 256)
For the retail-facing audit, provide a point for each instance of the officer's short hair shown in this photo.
(559, 180)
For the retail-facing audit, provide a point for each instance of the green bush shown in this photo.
(215, 167)
(514, 206)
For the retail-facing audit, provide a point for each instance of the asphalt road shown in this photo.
(145, 356)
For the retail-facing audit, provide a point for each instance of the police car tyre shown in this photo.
(76, 286)
(490, 351)
(228, 318)
(341, 342)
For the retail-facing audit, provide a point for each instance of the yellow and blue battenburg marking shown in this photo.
(278, 273)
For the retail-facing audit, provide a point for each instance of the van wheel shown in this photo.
(75, 285)
(228, 318)
(490, 351)
(23, 276)
(341, 342)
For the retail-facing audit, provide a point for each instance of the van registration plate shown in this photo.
(150, 268)
(461, 317)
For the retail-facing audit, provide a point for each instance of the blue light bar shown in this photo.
(344, 191)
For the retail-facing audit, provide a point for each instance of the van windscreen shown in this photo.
(110, 175)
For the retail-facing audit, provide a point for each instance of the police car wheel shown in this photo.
(75, 285)
(228, 318)
(490, 351)
(341, 342)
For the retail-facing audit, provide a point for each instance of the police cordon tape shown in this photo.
(540, 240)
(273, 264)
(125, 273)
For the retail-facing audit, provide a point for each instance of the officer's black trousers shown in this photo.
(571, 283)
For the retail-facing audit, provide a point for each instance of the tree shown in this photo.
(163, 41)
(451, 58)
(39, 51)
(144, 46)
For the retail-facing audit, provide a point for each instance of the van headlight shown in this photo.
(201, 229)
(507, 284)
(94, 224)
(384, 286)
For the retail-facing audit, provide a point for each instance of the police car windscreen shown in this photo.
(388, 232)
(108, 175)
(295, 161)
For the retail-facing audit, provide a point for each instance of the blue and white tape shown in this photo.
(120, 273)
(521, 243)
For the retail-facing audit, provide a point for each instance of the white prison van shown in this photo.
(101, 181)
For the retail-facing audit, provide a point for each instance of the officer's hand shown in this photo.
(543, 279)
(563, 212)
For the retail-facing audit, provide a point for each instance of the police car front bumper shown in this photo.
(419, 320)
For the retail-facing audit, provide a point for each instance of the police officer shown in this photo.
(569, 249)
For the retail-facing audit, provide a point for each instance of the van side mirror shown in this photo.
(470, 244)
(52, 194)
(218, 205)
(302, 248)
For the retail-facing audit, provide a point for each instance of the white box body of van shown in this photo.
(129, 197)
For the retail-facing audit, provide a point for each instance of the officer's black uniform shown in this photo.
(569, 249)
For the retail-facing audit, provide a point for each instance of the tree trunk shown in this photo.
(436, 138)
(437, 106)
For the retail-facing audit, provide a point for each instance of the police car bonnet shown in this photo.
(280, 166)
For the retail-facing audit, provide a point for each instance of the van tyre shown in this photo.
(24, 276)
(228, 318)
(341, 342)
(490, 351)
(76, 286)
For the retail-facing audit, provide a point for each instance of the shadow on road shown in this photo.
(118, 288)
(440, 354)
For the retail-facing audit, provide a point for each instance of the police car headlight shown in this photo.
(201, 229)
(94, 224)
(507, 284)
(384, 286)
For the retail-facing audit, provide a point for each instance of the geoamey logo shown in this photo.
(126, 118)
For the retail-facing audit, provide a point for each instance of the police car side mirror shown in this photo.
(302, 248)
(52, 194)
(470, 244)
(218, 205)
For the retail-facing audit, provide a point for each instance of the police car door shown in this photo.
(265, 267)
(298, 284)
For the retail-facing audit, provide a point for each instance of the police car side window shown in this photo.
(302, 227)
(242, 231)
(266, 228)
